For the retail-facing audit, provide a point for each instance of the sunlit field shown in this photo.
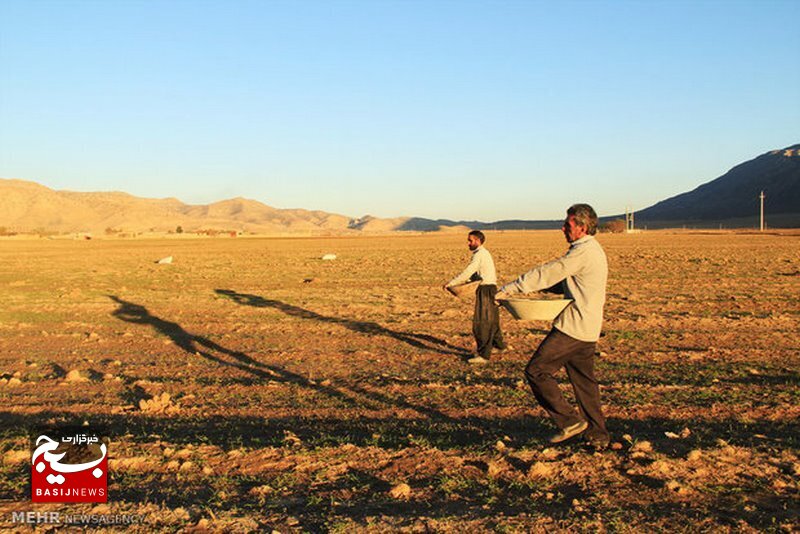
(310, 395)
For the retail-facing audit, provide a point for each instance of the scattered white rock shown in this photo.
(291, 440)
(261, 491)
(165, 261)
(550, 454)
(183, 454)
(642, 446)
(540, 470)
(187, 466)
(400, 491)
(75, 376)
(158, 404)
(496, 467)
(181, 514)
(329, 257)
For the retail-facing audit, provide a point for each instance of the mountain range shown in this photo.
(733, 198)
(730, 200)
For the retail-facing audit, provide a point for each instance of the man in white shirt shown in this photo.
(486, 318)
(582, 274)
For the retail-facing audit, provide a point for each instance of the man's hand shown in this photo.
(500, 295)
(445, 287)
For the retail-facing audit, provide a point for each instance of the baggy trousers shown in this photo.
(559, 350)
(486, 321)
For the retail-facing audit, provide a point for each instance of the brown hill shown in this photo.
(368, 223)
(28, 206)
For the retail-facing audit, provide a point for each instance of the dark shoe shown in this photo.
(568, 432)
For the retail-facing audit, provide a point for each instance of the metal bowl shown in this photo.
(464, 290)
(535, 309)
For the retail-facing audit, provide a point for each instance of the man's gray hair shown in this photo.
(584, 216)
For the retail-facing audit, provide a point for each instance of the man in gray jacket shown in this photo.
(581, 274)
(486, 318)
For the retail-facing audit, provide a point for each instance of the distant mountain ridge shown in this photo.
(735, 195)
(28, 206)
(730, 200)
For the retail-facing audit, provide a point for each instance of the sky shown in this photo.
(464, 110)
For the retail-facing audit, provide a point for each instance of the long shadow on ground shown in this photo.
(196, 345)
(435, 427)
(420, 341)
(432, 429)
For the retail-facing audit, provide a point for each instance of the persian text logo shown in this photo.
(73, 467)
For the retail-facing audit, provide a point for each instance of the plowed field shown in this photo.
(310, 395)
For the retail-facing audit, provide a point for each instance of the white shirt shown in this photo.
(583, 271)
(482, 264)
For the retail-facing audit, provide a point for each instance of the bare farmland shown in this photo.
(250, 385)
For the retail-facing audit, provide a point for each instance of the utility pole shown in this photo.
(761, 196)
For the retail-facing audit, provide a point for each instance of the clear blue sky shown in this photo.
(444, 109)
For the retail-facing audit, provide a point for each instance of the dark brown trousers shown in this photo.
(486, 321)
(559, 350)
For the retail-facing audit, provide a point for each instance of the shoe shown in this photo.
(568, 432)
(477, 359)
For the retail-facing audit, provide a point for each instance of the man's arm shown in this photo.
(547, 275)
(467, 273)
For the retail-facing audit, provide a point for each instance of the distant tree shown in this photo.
(179, 229)
(617, 226)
